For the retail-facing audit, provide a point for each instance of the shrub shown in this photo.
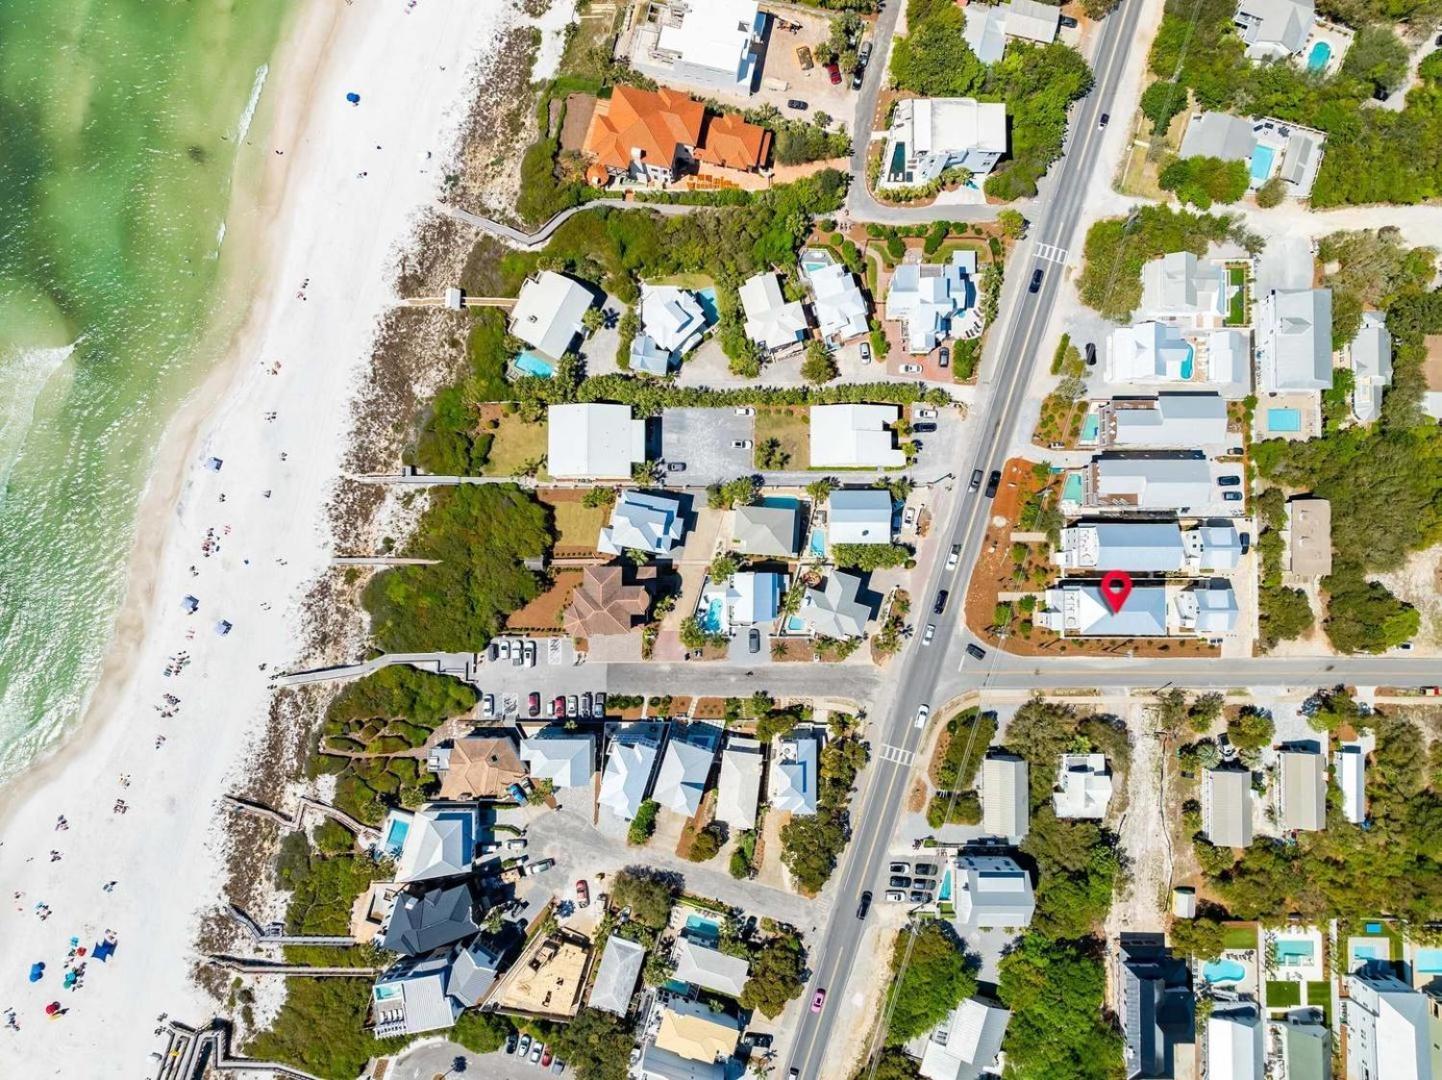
(644, 823)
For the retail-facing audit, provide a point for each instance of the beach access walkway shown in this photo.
(461, 665)
(264, 936)
(538, 239)
(191, 1053)
(296, 821)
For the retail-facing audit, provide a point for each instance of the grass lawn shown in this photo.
(577, 525)
(943, 253)
(514, 445)
(1283, 995)
(1239, 937)
(791, 426)
(1319, 995)
(1237, 306)
(685, 281)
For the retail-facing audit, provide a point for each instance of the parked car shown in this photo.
(533, 704)
(1067, 21)
(863, 55)
(488, 706)
(586, 704)
(753, 640)
(866, 352)
(953, 557)
(675, 466)
(857, 76)
(865, 905)
(740, 444)
(924, 413)
(797, 104)
(899, 868)
(558, 1067)
(922, 714)
(911, 369)
(925, 869)
(1104, 121)
(899, 881)
(541, 867)
(516, 843)
(530, 654)
(1245, 539)
(1035, 285)
(921, 898)
(976, 651)
(572, 705)
(818, 1001)
(992, 483)
(583, 894)
(929, 633)
(558, 706)
(803, 57)
(598, 705)
(745, 410)
(794, 1074)
(1232, 496)
(511, 1043)
(939, 604)
(1091, 354)
(1229, 480)
(925, 884)
(896, 896)
(525, 1047)
(536, 1053)
(1236, 451)
(975, 484)
(833, 72)
(908, 519)
(943, 357)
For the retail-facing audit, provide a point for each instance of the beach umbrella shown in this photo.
(37, 969)
(213, 464)
(353, 98)
(53, 1009)
(189, 605)
(222, 628)
(104, 950)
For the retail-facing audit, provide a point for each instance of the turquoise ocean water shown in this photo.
(119, 121)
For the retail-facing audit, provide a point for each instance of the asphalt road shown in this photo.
(927, 671)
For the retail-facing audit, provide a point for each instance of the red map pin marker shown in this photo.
(1116, 587)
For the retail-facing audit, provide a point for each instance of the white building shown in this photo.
(988, 27)
(858, 516)
(1234, 1043)
(1076, 609)
(841, 310)
(992, 891)
(1387, 1028)
(967, 1043)
(1183, 420)
(1351, 767)
(440, 842)
(1275, 29)
(771, 321)
(1371, 356)
(709, 969)
(643, 521)
(1294, 340)
(855, 437)
(547, 314)
(930, 135)
(1219, 135)
(672, 323)
(1005, 797)
(1181, 287)
(935, 301)
(1208, 609)
(1154, 483)
(1227, 807)
(1149, 352)
(682, 779)
(593, 442)
(795, 760)
(564, 758)
(627, 774)
(1142, 547)
(1083, 787)
(739, 785)
(1301, 790)
(707, 44)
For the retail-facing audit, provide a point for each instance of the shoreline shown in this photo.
(135, 780)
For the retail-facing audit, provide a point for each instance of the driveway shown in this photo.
(432, 1058)
(702, 439)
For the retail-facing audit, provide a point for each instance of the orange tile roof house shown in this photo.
(479, 767)
(652, 137)
(606, 603)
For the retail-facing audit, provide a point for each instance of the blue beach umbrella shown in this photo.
(353, 98)
(37, 969)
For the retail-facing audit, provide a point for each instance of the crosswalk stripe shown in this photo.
(896, 755)
(1050, 253)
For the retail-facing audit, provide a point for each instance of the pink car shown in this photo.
(818, 1001)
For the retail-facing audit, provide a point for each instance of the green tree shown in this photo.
(644, 823)
(776, 976)
(596, 1044)
(1058, 1023)
(1203, 181)
(593, 319)
(706, 844)
(869, 556)
(1251, 729)
(649, 896)
(930, 977)
(1377, 56)
(481, 1032)
(819, 365)
(810, 846)
(1077, 866)
(1272, 193)
(1202, 938)
(1013, 225)
(1161, 102)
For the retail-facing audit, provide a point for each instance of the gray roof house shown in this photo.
(1153, 481)
(992, 891)
(1156, 1006)
(1274, 29)
(987, 28)
(1214, 547)
(837, 610)
(795, 762)
(767, 529)
(567, 759)
(1371, 353)
(1169, 420)
(1077, 609)
(1294, 340)
(1208, 608)
(410, 997)
(658, 1063)
(1136, 546)
(440, 842)
(1235, 1042)
(682, 779)
(474, 970)
(628, 774)
(1302, 789)
(1005, 797)
(1219, 135)
(859, 516)
(547, 314)
(739, 785)
(966, 1044)
(644, 521)
(1306, 1046)
(421, 921)
(1388, 1027)
(709, 969)
(1227, 807)
(771, 321)
(1178, 285)
(616, 975)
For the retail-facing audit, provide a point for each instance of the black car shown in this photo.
(797, 104)
(923, 428)
(975, 484)
(753, 640)
(675, 466)
(920, 898)
(992, 483)
(1067, 21)
(925, 869)
(1091, 352)
(943, 357)
(1104, 121)
(1035, 285)
(1230, 480)
(900, 882)
(511, 1043)
(865, 905)
(1245, 539)
(976, 651)
(1232, 496)
(940, 605)
(857, 76)
(1381, 94)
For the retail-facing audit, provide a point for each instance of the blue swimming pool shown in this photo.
(710, 619)
(396, 836)
(1320, 54)
(1223, 971)
(1190, 363)
(1262, 158)
(1091, 427)
(944, 893)
(530, 364)
(1429, 961)
(796, 624)
(1071, 490)
(817, 546)
(707, 299)
(700, 926)
(1364, 952)
(1284, 420)
(1292, 952)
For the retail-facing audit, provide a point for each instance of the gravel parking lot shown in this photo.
(702, 438)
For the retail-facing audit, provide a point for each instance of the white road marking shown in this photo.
(1051, 253)
(896, 755)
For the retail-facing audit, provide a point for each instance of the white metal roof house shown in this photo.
(1005, 797)
(1145, 547)
(1227, 807)
(965, 1045)
(859, 516)
(754, 597)
(1149, 352)
(1371, 355)
(709, 969)
(1229, 362)
(627, 774)
(440, 842)
(1351, 768)
(795, 760)
(1188, 420)
(672, 323)
(766, 529)
(644, 521)
(710, 45)
(617, 975)
(1076, 609)
(593, 441)
(855, 437)
(837, 609)
(771, 321)
(841, 311)
(739, 785)
(1234, 1043)
(1180, 286)
(992, 891)
(1301, 790)
(682, 779)
(547, 314)
(935, 301)
(1275, 29)
(930, 135)
(565, 758)
(410, 997)
(1083, 787)
(1219, 135)
(985, 31)
(1214, 548)
(1208, 609)
(1154, 483)
(1294, 340)
(1388, 1028)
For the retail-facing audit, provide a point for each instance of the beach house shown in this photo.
(1077, 609)
(1387, 1028)
(593, 441)
(935, 301)
(1148, 352)
(610, 599)
(547, 315)
(1235, 1049)
(992, 891)
(859, 516)
(476, 767)
(988, 26)
(841, 309)
(794, 773)
(684, 770)
(566, 758)
(1301, 789)
(1180, 420)
(710, 45)
(928, 136)
(767, 529)
(617, 975)
(440, 842)
(649, 521)
(772, 321)
(1005, 797)
(1083, 787)
(672, 323)
(1182, 288)
(840, 608)
(1274, 29)
(1155, 1006)
(966, 1044)
(739, 784)
(423, 920)
(1294, 340)
(1371, 356)
(1140, 547)
(1227, 807)
(855, 437)
(627, 775)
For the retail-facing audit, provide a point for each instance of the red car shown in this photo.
(534, 703)
(834, 72)
(583, 894)
(558, 707)
(546, 1057)
(818, 1001)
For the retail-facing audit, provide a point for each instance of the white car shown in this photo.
(488, 706)
(911, 369)
(926, 414)
(951, 560)
(922, 715)
(896, 896)
(745, 410)
(740, 444)
(929, 633)
(909, 518)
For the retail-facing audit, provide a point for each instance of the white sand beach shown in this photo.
(334, 208)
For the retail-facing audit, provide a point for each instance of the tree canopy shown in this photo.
(934, 977)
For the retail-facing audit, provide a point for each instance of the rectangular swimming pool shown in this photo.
(1071, 490)
(531, 364)
(1292, 952)
(1284, 420)
(1262, 158)
(1429, 961)
(1091, 426)
(817, 546)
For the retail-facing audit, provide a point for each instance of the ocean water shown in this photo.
(120, 122)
